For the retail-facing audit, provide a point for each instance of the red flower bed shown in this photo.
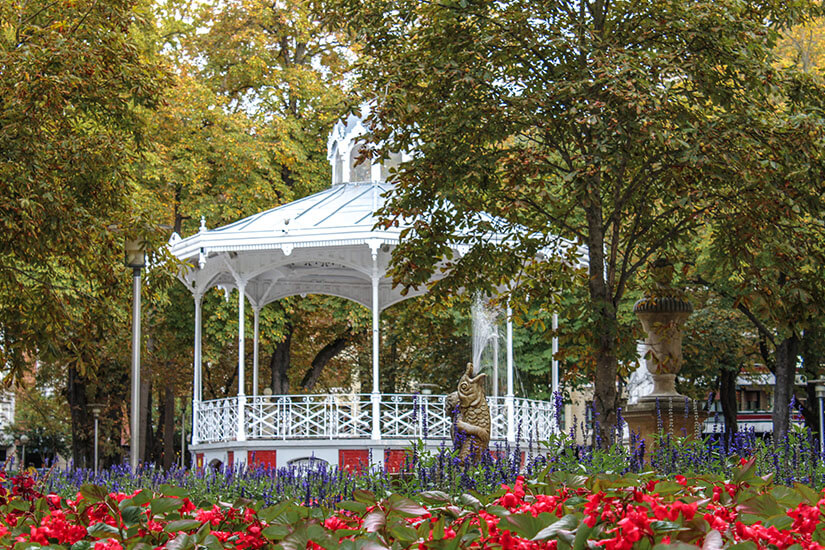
(562, 511)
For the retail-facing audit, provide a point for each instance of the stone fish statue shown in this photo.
(471, 415)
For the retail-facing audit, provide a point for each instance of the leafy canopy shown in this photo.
(622, 126)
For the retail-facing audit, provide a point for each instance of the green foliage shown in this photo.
(426, 341)
(73, 86)
(276, 62)
(716, 337)
(623, 127)
(802, 47)
(242, 130)
(569, 512)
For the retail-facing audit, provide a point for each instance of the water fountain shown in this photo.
(485, 340)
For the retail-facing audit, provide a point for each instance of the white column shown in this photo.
(256, 311)
(554, 364)
(510, 397)
(376, 396)
(495, 363)
(196, 367)
(241, 436)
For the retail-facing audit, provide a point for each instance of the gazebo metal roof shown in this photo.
(325, 243)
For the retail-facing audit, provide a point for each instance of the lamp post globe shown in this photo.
(96, 409)
(23, 440)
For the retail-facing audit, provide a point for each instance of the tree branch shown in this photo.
(657, 245)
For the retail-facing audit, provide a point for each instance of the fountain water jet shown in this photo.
(485, 333)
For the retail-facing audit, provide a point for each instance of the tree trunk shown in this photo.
(279, 363)
(810, 412)
(147, 451)
(605, 331)
(323, 357)
(76, 396)
(727, 396)
(186, 428)
(168, 426)
(786, 356)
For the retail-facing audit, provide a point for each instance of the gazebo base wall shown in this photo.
(351, 454)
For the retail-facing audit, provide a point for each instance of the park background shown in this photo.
(134, 118)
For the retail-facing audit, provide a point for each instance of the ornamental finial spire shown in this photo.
(203, 224)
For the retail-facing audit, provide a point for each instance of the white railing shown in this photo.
(534, 420)
(308, 416)
(498, 416)
(349, 416)
(217, 420)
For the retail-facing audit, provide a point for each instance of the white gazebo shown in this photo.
(325, 243)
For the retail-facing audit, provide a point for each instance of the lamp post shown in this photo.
(23, 440)
(136, 259)
(96, 409)
(820, 395)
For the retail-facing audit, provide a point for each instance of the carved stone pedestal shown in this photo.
(663, 312)
(673, 416)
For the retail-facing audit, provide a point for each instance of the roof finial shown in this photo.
(203, 224)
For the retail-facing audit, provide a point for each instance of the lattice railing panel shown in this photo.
(436, 420)
(402, 416)
(218, 420)
(310, 416)
(534, 420)
(353, 416)
(498, 417)
(266, 417)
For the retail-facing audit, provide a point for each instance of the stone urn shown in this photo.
(662, 312)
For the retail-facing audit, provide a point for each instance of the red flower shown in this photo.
(213, 516)
(187, 506)
(513, 497)
(110, 544)
(334, 523)
(805, 518)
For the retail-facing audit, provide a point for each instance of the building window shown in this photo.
(752, 401)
